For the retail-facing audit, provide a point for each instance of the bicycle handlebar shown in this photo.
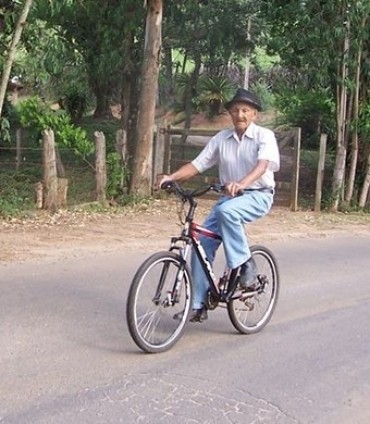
(188, 193)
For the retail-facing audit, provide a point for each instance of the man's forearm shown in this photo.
(255, 174)
(184, 173)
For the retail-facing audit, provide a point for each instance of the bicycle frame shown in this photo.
(224, 287)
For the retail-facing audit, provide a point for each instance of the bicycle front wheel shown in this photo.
(250, 313)
(157, 305)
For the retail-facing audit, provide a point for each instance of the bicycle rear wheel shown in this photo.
(251, 312)
(153, 301)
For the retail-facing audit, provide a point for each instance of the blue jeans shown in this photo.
(227, 218)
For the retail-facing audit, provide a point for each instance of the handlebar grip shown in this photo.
(166, 185)
(218, 188)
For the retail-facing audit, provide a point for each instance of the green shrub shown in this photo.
(311, 110)
(37, 116)
(75, 102)
(5, 135)
(214, 92)
(117, 176)
(17, 191)
(264, 94)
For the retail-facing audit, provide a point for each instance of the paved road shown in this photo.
(66, 356)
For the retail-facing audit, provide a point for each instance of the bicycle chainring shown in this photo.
(212, 301)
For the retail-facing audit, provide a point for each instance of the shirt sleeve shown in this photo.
(208, 157)
(268, 149)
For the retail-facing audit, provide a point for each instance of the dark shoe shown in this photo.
(196, 315)
(178, 316)
(248, 275)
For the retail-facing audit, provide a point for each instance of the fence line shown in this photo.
(38, 149)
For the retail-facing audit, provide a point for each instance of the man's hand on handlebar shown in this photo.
(161, 180)
(233, 189)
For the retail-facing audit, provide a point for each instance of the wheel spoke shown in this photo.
(145, 322)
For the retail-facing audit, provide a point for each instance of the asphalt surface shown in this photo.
(66, 355)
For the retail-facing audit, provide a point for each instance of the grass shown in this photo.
(17, 191)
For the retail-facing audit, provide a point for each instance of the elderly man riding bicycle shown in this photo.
(247, 157)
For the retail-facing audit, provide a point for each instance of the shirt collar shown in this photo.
(249, 132)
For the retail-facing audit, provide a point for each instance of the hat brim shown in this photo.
(256, 106)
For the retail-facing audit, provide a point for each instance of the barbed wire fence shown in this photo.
(22, 174)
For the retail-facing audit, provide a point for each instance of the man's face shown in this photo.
(242, 115)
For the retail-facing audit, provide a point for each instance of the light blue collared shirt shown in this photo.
(237, 157)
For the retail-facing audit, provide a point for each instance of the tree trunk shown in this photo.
(341, 154)
(11, 52)
(354, 141)
(189, 94)
(248, 55)
(100, 167)
(50, 172)
(168, 84)
(132, 125)
(62, 192)
(141, 182)
(18, 144)
(129, 104)
(60, 167)
(102, 109)
(101, 88)
(365, 186)
(353, 163)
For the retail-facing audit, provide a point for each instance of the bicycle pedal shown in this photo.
(249, 305)
(248, 294)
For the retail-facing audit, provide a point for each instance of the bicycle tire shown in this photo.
(149, 313)
(250, 314)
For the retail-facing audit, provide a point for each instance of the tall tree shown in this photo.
(141, 182)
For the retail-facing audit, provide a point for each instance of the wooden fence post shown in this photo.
(159, 150)
(320, 172)
(100, 167)
(50, 171)
(295, 176)
(121, 144)
(18, 144)
(62, 192)
(167, 151)
(39, 189)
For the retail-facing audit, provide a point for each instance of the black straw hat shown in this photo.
(244, 96)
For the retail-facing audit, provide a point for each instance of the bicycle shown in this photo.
(162, 286)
